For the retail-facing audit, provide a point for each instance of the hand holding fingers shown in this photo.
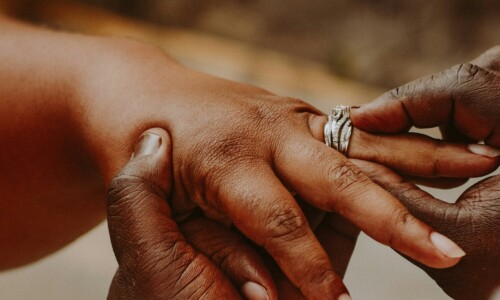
(264, 210)
(229, 251)
(473, 222)
(337, 236)
(465, 97)
(419, 155)
(330, 182)
(233, 255)
(240, 173)
(155, 261)
(416, 154)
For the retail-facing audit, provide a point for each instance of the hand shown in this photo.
(155, 260)
(473, 222)
(463, 100)
(239, 150)
(197, 257)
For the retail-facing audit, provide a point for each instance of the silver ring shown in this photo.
(338, 129)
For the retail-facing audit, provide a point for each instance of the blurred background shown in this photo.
(326, 52)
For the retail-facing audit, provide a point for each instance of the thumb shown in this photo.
(137, 206)
(155, 260)
(489, 59)
(465, 95)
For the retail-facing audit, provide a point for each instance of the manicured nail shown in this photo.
(344, 297)
(446, 246)
(149, 143)
(483, 150)
(254, 291)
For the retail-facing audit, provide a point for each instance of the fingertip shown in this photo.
(162, 135)
(446, 245)
(345, 297)
(152, 158)
(441, 262)
(484, 150)
(254, 291)
(435, 251)
(381, 116)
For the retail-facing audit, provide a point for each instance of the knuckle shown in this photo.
(465, 72)
(122, 187)
(298, 106)
(401, 220)
(344, 177)
(322, 275)
(195, 280)
(495, 49)
(223, 254)
(435, 169)
(287, 225)
(396, 93)
(126, 188)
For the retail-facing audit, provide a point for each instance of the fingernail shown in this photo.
(446, 246)
(149, 143)
(254, 291)
(483, 150)
(344, 297)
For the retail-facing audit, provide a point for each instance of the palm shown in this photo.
(473, 222)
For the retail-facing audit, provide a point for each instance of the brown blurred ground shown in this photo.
(384, 43)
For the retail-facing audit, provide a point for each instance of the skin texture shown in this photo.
(219, 169)
(203, 256)
(74, 106)
(155, 261)
(196, 258)
(465, 102)
(472, 221)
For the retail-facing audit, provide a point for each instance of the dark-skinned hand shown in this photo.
(463, 100)
(161, 259)
(473, 221)
(155, 260)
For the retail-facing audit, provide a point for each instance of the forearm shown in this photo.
(56, 151)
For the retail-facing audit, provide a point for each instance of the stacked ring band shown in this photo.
(338, 129)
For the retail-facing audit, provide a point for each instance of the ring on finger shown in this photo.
(338, 129)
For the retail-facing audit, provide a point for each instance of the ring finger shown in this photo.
(416, 154)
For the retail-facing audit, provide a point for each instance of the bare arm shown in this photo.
(52, 167)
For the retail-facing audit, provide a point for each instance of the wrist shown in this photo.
(115, 99)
